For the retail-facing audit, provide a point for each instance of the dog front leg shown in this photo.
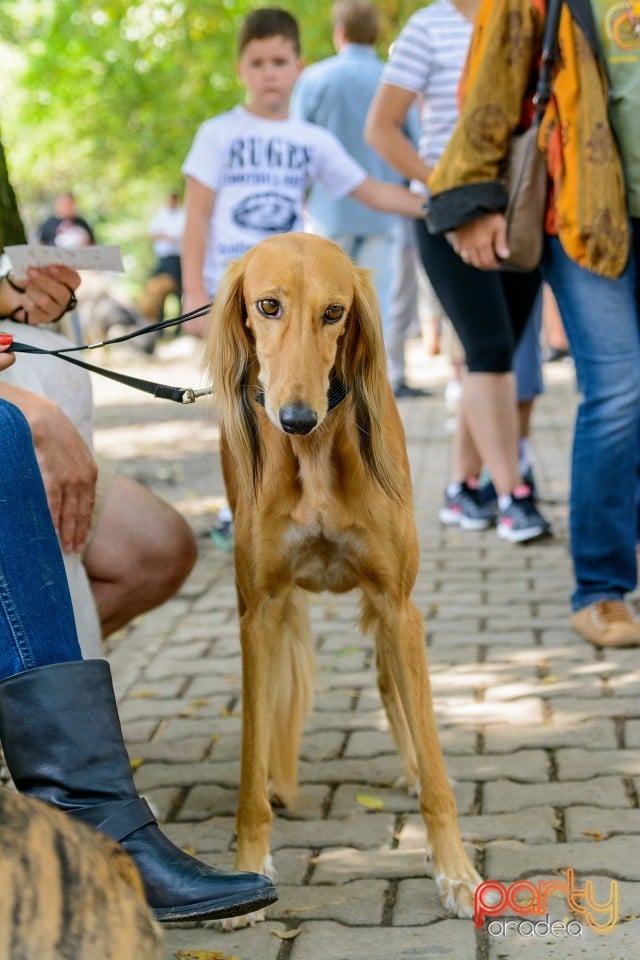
(259, 637)
(400, 645)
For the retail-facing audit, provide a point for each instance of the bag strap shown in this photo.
(549, 55)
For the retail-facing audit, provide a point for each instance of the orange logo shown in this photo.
(525, 898)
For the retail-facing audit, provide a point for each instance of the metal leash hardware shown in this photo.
(160, 390)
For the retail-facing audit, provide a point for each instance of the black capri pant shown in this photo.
(488, 309)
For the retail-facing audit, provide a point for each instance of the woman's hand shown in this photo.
(482, 243)
(44, 295)
(6, 359)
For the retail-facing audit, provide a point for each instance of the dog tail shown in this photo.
(291, 685)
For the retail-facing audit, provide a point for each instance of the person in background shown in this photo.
(590, 139)
(65, 227)
(488, 311)
(166, 230)
(335, 94)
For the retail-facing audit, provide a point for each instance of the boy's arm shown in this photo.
(385, 131)
(199, 202)
(388, 198)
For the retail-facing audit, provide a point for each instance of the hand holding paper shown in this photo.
(77, 258)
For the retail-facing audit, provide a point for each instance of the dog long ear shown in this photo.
(232, 364)
(362, 365)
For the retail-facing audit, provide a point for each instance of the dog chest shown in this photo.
(322, 560)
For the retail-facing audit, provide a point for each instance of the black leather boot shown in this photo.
(62, 743)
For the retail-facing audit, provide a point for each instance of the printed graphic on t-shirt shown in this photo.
(271, 212)
(622, 24)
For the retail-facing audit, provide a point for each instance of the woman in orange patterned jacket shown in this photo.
(591, 143)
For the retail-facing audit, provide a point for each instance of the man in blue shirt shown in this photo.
(335, 93)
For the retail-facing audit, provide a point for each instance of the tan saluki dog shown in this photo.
(316, 470)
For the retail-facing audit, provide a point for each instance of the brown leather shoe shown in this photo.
(607, 623)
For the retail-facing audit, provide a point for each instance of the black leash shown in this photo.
(161, 390)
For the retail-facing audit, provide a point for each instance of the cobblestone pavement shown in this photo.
(541, 733)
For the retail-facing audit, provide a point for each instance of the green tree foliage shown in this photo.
(104, 96)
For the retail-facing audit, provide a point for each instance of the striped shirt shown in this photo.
(428, 58)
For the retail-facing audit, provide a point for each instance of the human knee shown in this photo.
(12, 419)
(488, 358)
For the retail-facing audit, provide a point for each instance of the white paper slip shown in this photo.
(78, 258)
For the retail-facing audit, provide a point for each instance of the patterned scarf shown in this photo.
(587, 204)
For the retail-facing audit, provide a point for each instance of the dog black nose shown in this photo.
(296, 418)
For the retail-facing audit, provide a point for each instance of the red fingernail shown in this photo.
(6, 339)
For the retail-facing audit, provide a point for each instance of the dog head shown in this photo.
(291, 318)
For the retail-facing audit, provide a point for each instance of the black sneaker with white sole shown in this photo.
(467, 510)
(521, 520)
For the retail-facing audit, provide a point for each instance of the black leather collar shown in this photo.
(335, 394)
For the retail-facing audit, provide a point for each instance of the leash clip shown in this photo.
(190, 395)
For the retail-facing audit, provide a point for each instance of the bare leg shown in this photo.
(489, 405)
(140, 554)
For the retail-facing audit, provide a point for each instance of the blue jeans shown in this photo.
(36, 618)
(601, 318)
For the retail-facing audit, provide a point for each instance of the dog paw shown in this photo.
(239, 923)
(410, 784)
(457, 895)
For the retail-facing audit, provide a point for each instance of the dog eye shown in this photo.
(333, 313)
(269, 307)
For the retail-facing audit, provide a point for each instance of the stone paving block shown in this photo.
(374, 720)
(368, 743)
(536, 826)
(340, 865)
(213, 836)
(526, 710)
(190, 750)
(142, 709)
(135, 731)
(212, 800)
(220, 727)
(382, 770)
(530, 765)
(584, 764)
(359, 903)
(503, 796)
(576, 710)
(376, 831)
(170, 688)
(227, 683)
(345, 802)
(292, 864)
(453, 939)
(595, 735)
(618, 857)
(632, 733)
(555, 655)
(417, 902)
(248, 944)
(592, 823)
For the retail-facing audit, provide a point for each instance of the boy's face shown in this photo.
(268, 70)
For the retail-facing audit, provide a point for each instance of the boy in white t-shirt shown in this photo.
(249, 170)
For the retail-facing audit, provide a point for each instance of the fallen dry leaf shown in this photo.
(371, 803)
(286, 934)
(597, 836)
